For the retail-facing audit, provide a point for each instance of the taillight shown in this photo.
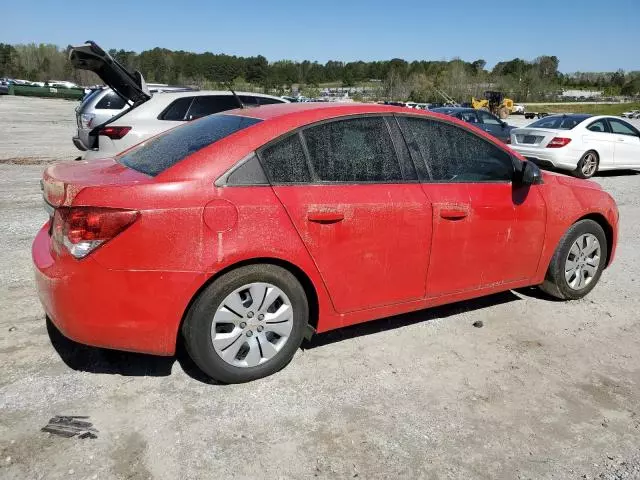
(83, 229)
(558, 142)
(114, 133)
(86, 119)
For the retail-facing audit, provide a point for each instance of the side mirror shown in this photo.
(531, 174)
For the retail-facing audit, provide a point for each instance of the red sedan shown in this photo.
(246, 231)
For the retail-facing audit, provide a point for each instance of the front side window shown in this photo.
(267, 100)
(353, 150)
(453, 154)
(622, 128)
(208, 104)
(177, 110)
(158, 154)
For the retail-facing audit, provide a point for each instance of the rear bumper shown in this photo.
(138, 311)
(79, 144)
(553, 157)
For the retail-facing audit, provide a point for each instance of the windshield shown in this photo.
(158, 154)
(560, 122)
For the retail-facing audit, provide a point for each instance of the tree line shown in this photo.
(396, 79)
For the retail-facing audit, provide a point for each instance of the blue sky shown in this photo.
(586, 35)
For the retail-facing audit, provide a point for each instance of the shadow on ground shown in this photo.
(391, 323)
(84, 358)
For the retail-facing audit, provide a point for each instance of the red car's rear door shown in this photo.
(486, 230)
(353, 196)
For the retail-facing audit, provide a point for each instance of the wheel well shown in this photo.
(608, 230)
(305, 281)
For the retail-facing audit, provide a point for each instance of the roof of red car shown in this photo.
(268, 112)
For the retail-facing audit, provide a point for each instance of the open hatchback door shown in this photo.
(90, 56)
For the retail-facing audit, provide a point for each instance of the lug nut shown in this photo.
(243, 324)
(250, 315)
(260, 328)
(249, 333)
(261, 317)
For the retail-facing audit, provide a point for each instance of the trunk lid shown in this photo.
(90, 56)
(63, 181)
(534, 137)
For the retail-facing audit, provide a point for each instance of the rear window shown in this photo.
(156, 155)
(563, 122)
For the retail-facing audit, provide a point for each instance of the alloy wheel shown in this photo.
(589, 164)
(252, 324)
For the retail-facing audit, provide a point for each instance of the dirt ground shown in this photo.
(543, 390)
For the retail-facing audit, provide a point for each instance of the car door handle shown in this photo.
(621, 139)
(453, 213)
(325, 217)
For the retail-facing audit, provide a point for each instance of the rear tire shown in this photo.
(588, 165)
(227, 313)
(578, 262)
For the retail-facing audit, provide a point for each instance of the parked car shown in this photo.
(518, 109)
(482, 119)
(101, 104)
(4, 87)
(583, 144)
(138, 113)
(245, 231)
(631, 114)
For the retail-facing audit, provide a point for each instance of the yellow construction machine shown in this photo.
(495, 102)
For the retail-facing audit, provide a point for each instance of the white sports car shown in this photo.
(583, 144)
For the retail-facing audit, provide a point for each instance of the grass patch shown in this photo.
(599, 109)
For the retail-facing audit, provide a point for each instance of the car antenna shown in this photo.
(230, 87)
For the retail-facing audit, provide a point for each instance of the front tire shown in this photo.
(247, 324)
(588, 165)
(578, 262)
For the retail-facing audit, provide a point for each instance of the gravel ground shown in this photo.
(36, 130)
(544, 390)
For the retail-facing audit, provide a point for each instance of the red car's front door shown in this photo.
(358, 208)
(486, 230)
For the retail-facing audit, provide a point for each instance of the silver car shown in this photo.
(133, 114)
(100, 105)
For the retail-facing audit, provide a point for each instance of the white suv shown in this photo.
(148, 115)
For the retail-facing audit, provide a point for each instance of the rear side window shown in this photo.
(285, 161)
(111, 101)
(177, 110)
(208, 104)
(353, 150)
(87, 98)
(453, 154)
(598, 126)
(469, 117)
(158, 154)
